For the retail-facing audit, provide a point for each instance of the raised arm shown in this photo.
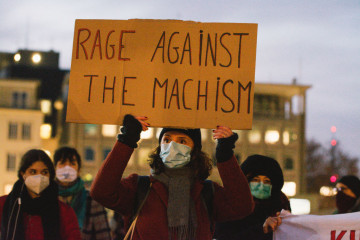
(233, 200)
(109, 188)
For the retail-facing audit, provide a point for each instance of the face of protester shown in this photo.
(36, 168)
(261, 178)
(67, 162)
(345, 190)
(177, 137)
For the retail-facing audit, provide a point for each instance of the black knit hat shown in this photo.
(353, 183)
(255, 165)
(194, 134)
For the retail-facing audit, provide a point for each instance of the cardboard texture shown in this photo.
(177, 73)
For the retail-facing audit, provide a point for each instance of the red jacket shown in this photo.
(69, 228)
(233, 201)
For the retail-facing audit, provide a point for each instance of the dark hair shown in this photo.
(33, 156)
(200, 162)
(64, 153)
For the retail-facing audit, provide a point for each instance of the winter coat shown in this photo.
(251, 227)
(69, 228)
(230, 202)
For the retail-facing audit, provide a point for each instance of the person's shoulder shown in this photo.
(3, 199)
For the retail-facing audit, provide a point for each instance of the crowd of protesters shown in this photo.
(176, 201)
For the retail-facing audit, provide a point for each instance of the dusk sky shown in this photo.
(317, 42)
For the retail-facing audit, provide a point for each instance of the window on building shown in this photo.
(11, 162)
(26, 131)
(289, 163)
(90, 129)
(24, 97)
(89, 154)
(272, 136)
(289, 189)
(45, 131)
(289, 136)
(12, 130)
(287, 110)
(45, 106)
(15, 99)
(109, 130)
(106, 152)
(254, 136)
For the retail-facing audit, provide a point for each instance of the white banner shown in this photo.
(316, 227)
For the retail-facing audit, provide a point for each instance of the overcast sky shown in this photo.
(318, 42)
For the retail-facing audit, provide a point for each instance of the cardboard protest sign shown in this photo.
(177, 73)
(312, 227)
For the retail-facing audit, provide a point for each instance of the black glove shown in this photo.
(130, 131)
(224, 148)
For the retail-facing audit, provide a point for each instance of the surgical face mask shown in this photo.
(66, 174)
(37, 183)
(260, 190)
(175, 155)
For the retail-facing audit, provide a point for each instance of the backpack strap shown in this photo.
(143, 188)
(207, 194)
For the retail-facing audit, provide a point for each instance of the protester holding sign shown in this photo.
(348, 194)
(92, 217)
(32, 209)
(174, 207)
(266, 179)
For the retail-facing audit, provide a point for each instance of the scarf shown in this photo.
(181, 213)
(78, 201)
(47, 206)
(344, 202)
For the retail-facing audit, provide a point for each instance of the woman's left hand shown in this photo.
(272, 223)
(222, 132)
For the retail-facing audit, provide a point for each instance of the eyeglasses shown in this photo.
(339, 189)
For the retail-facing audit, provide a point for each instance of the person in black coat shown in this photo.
(266, 179)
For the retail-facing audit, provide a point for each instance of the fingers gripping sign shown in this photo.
(142, 119)
(222, 132)
(225, 143)
(272, 223)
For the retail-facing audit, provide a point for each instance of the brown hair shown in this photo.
(200, 162)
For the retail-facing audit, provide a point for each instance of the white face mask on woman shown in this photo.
(66, 174)
(37, 183)
(175, 155)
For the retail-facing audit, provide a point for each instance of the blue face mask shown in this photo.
(175, 155)
(260, 190)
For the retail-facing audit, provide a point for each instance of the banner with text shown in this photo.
(326, 227)
(177, 73)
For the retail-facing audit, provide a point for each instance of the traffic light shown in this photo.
(334, 178)
(333, 142)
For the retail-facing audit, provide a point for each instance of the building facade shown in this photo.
(20, 123)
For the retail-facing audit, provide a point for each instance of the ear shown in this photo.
(23, 175)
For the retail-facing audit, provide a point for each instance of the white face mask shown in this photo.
(175, 155)
(37, 183)
(66, 174)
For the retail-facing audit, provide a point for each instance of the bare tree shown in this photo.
(322, 163)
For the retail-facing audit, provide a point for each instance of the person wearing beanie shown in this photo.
(91, 216)
(265, 179)
(348, 194)
(174, 207)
